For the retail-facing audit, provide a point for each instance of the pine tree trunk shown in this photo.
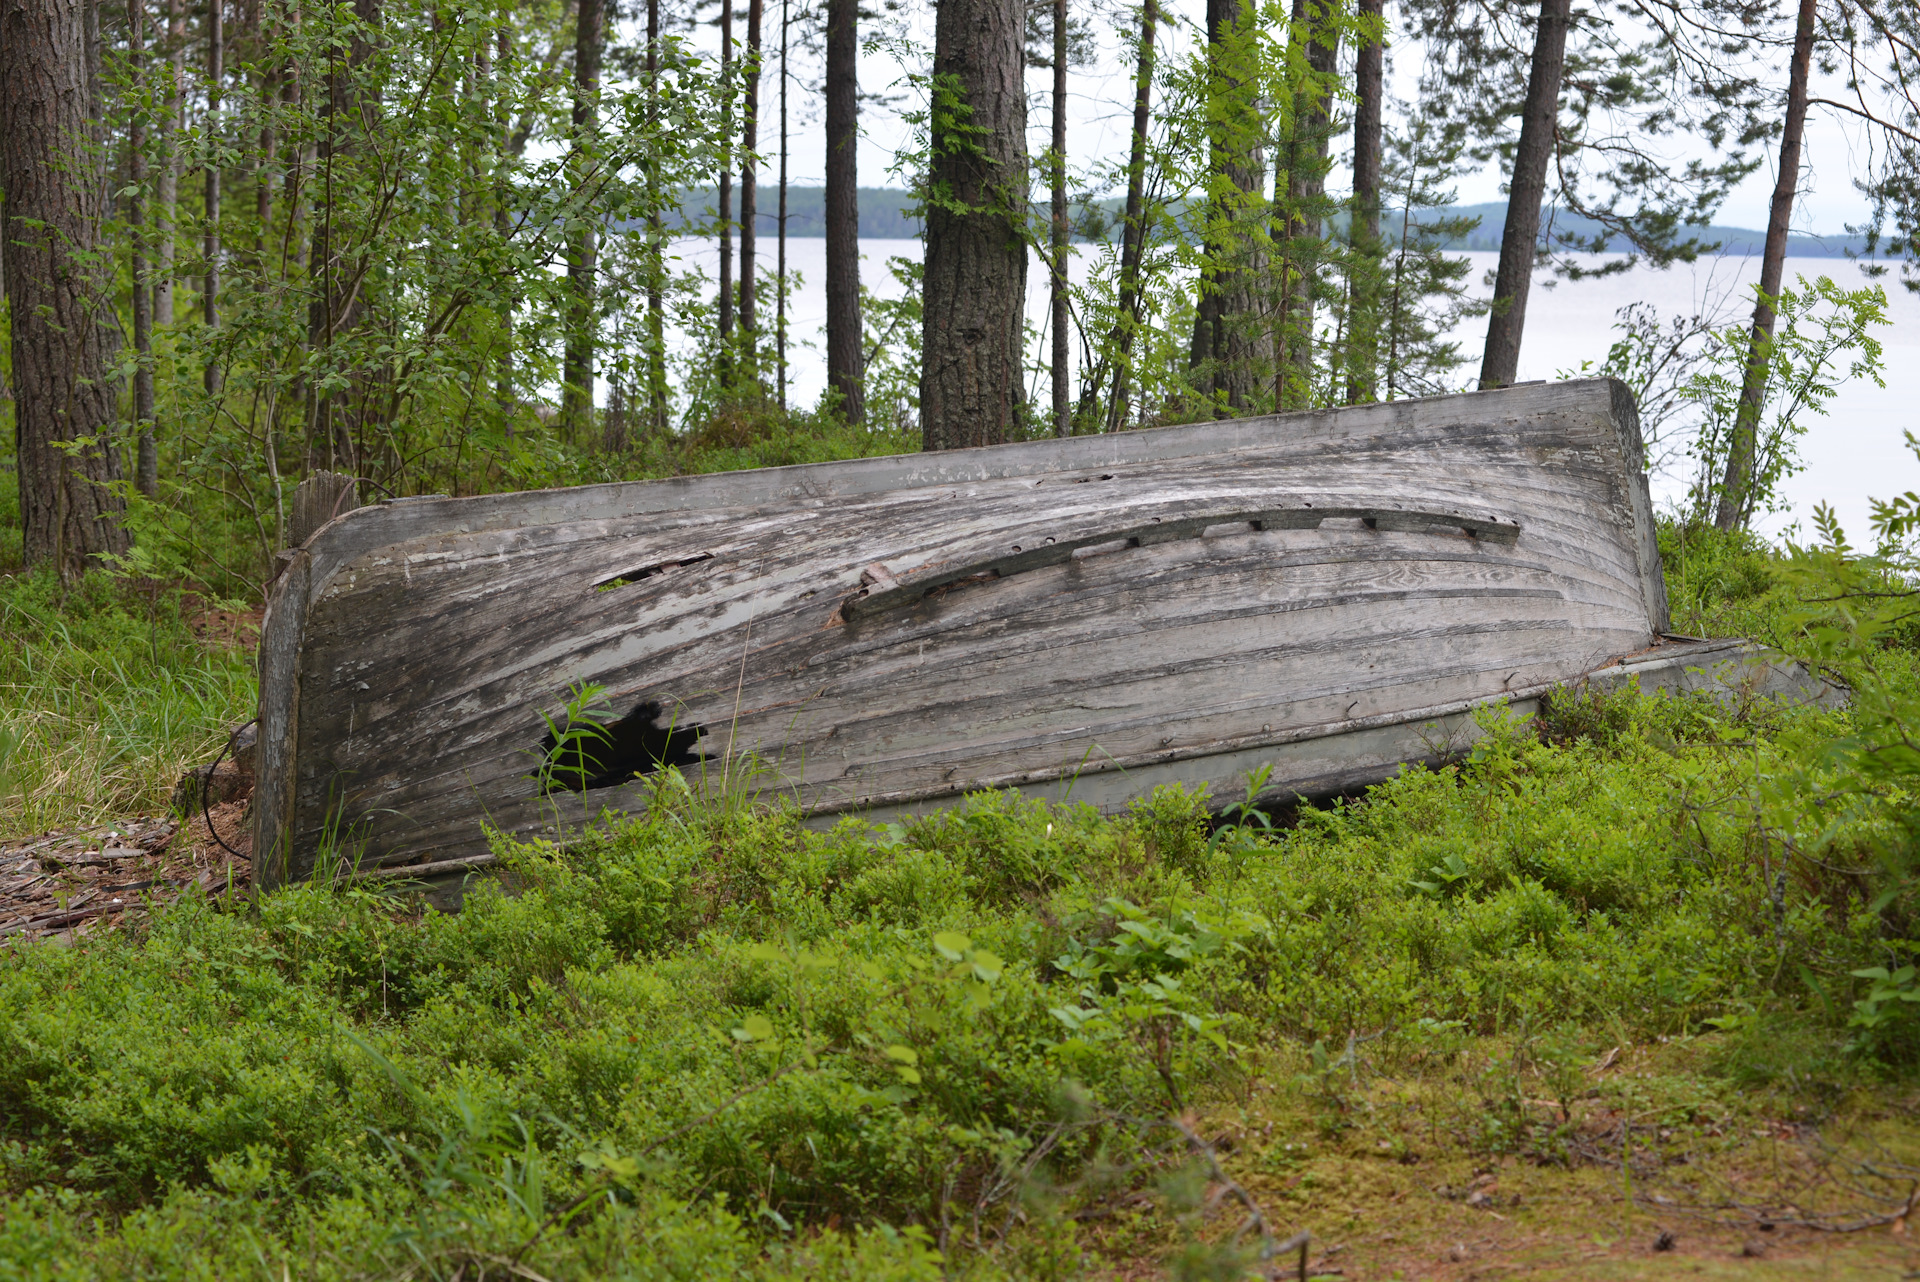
(726, 190)
(846, 364)
(167, 193)
(1363, 293)
(263, 164)
(301, 161)
(1133, 233)
(589, 44)
(750, 177)
(505, 382)
(333, 419)
(1230, 343)
(90, 46)
(1306, 187)
(57, 289)
(974, 306)
(146, 468)
(1062, 412)
(1202, 357)
(1735, 507)
(210, 243)
(656, 250)
(1532, 158)
(780, 265)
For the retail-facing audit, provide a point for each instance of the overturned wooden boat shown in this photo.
(1331, 593)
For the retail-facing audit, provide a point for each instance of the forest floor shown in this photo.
(1545, 1013)
(1723, 1184)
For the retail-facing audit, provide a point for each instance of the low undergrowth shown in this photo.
(1611, 944)
(711, 1041)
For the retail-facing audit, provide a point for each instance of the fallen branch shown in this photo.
(1256, 1220)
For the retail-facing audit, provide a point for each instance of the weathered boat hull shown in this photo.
(1090, 615)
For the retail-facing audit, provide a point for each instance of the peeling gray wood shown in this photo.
(1332, 761)
(318, 499)
(892, 632)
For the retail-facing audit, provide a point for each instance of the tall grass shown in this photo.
(106, 695)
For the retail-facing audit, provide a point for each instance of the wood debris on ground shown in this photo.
(76, 882)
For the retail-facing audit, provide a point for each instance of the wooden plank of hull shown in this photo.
(886, 632)
(1350, 755)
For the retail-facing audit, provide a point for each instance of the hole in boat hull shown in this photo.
(622, 579)
(643, 741)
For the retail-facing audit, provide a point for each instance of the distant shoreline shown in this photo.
(885, 214)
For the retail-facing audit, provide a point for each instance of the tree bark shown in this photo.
(210, 242)
(1230, 343)
(333, 419)
(656, 250)
(146, 468)
(750, 176)
(264, 162)
(167, 193)
(48, 237)
(726, 189)
(1539, 135)
(780, 264)
(301, 159)
(1306, 186)
(505, 379)
(846, 363)
(1735, 506)
(974, 305)
(1206, 303)
(1133, 233)
(1363, 293)
(576, 392)
(1062, 412)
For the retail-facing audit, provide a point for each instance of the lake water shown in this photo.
(1854, 454)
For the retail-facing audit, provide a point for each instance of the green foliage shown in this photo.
(891, 340)
(1819, 327)
(1208, 230)
(386, 306)
(1726, 584)
(570, 760)
(1173, 821)
(707, 1031)
(1421, 296)
(1848, 809)
(1133, 976)
(1657, 356)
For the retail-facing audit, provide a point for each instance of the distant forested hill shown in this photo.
(883, 211)
(885, 214)
(1738, 241)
